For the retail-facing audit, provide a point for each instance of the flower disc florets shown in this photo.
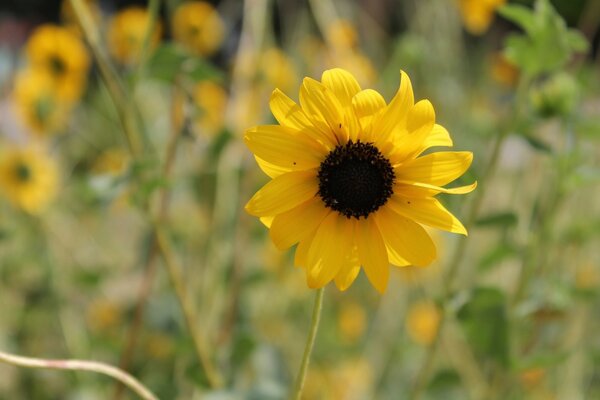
(355, 179)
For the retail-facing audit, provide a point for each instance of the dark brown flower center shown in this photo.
(22, 172)
(57, 65)
(355, 179)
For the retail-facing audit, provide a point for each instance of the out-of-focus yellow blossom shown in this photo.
(199, 27)
(63, 56)
(159, 346)
(126, 31)
(504, 72)
(278, 69)
(211, 100)
(352, 320)
(113, 162)
(37, 102)
(357, 63)
(342, 34)
(28, 178)
(103, 315)
(351, 380)
(422, 322)
(587, 277)
(69, 19)
(532, 377)
(477, 15)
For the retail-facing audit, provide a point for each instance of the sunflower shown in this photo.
(477, 15)
(126, 31)
(28, 178)
(350, 183)
(60, 53)
(199, 27)
(37, 102)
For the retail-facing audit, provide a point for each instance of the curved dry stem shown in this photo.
(80, 365)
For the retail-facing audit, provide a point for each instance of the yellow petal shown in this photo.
(366, 104)
(292, 226)
(301, 256)
(330, 249)
(291, 115)
(438, 136)
(272, 170)
(427, 211)
(283, 193)
(396, 112)
(417, 189)
(343, 85)
(373, 253)
(404, 238)
(348, 272)
(284, 147)
(287, 112)
(267, 221)
(323, 109)
(436, 168)
(420, 122)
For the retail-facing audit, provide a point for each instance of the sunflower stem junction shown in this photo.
(310, 342)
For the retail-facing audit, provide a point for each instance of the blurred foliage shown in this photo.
(79, 269)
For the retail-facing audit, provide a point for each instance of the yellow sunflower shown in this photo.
(37, 102)
(126, 31)
(199, 27)
(477, 15)
(28, 178)
(349, 183)
(62, 54)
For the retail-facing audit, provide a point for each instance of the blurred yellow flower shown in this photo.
(356, 63)
(477, 15)
(126, 32)
(103, 315)
(422, 322)
(112, 161)
(28, 178)
(159, 346)
(63, 56)
(211, 101)
(278, 69)
(587, 276)
(351, 379)
(503, 71)
(37, 102)
(350, 183)
(532, 377)
(342, 34)
(199, 27)
(352, 321)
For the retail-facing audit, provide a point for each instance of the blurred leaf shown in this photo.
(505, 218)
(538, 144)
(547, 45)
(497, 254)
(485, 324)
(543, 360)
(169, 61)
(583, 176)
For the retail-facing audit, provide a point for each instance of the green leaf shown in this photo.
(170, 61)
(505, 218)
(538, 144)
(485, 323)
(496, 255)
(547, 43)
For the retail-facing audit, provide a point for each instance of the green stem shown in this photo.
(310, 342)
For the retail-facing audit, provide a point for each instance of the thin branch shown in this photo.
(80, 365)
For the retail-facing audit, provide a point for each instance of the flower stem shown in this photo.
(80, 365)
(187, 306)
(310, 342)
